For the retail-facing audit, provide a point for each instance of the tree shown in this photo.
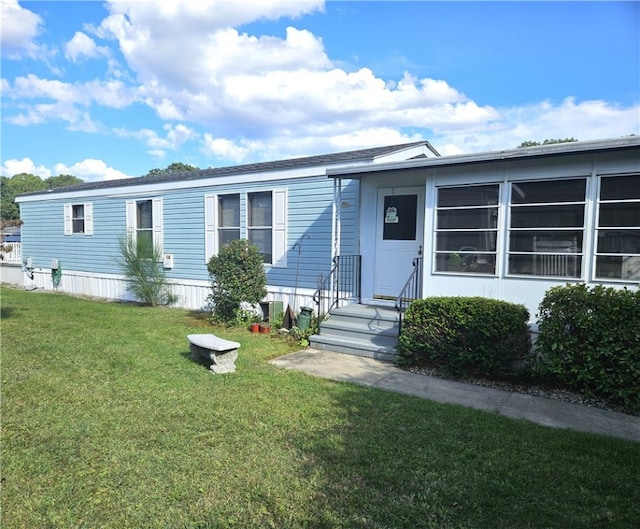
(531, 143)
(17, 184)
(62, 180)
(175, 167)
(28, 183)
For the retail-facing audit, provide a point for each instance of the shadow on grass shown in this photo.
(393, 461)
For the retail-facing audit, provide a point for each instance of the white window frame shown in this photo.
(279, 204)
(474, 254)
(157, 227)
(632, 265)
(88, 218)
(558, 258)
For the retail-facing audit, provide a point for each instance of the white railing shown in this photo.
(15, 255)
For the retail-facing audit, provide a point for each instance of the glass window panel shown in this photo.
(570, 216)
(399, 220)
(468, 196)
(144, 215)
(548, 191)
(468, 218)
(226, 236)
(618, 267)
(229, 211)
(481, 241)
(262, 239)
(620, 214)
(546, 242)
(620, 187)
(260, 209)
(619, 241)
(548, 265)
(77, 218)
(466, 262)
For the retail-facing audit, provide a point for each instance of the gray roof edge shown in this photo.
(321, 160)
(556, 149)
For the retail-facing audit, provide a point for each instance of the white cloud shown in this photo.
(586, 120)
(82, 46)
(26, 165)
(20, 27)
(90, 170)
(176, 136)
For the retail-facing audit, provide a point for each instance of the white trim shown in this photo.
(157, 223)
(210, 226)
(88, 218)
(68, 224)
(279, 228)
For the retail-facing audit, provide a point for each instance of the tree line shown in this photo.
(21, 183)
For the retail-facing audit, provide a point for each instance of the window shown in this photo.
(144, 221)
(546, 228)
(78, 219)
(262, 222)
(259, 223)
(618, 228)
(466, 229)
(228, 218)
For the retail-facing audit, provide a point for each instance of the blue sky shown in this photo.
(106, 90)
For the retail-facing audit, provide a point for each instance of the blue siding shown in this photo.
(309, 212)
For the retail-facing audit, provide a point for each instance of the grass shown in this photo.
(106, 422)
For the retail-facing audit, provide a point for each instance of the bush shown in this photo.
(466, 335)
(590, 340)
(237, 277)
(140, 262)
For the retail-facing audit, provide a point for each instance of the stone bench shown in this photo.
(220, 352)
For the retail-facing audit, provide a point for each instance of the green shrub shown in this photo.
(140, 260)
(590, 340)
(466, 335)
(237, 277)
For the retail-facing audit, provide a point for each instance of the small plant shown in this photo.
(140, 261)
(237, 277)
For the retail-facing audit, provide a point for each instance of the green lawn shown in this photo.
(106, 422)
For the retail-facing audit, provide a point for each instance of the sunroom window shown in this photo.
(618, 229)
(466, 229)
(546, 228)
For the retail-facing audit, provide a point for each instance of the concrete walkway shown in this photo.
(548, 412)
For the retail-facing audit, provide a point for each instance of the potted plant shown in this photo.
(265, 327)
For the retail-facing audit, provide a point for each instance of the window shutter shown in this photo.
(88, 218)
(131, 218)
(210, 226)
(68, 229)
(280, 228)
(157, 223)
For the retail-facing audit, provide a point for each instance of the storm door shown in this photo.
(399, 238)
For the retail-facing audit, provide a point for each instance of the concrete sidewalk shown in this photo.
(548, 412)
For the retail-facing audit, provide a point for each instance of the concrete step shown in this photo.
(363, 330)
(353, 346)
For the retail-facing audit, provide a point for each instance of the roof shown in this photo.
(550, 150)
(358, 156)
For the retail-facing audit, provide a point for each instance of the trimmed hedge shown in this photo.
(465, 335)
(590, 340)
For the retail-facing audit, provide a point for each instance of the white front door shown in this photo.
(399, 238)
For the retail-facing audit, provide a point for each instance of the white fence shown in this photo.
(15, 255)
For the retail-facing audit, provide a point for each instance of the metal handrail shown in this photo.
(342, 284)
(411, 291)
